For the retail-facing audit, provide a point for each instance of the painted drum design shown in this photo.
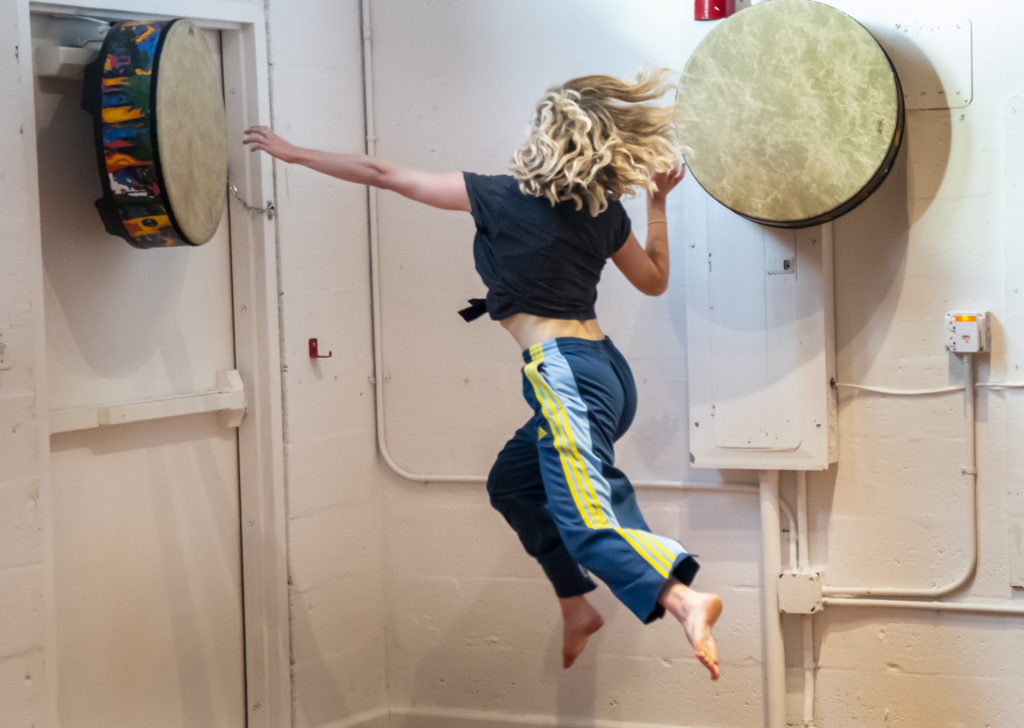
(789, 113)
(155, 97)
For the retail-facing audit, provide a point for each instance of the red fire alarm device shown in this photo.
(713, 9)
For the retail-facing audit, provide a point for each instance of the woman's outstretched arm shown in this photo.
(446, 190)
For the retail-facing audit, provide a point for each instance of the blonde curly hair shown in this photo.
(596, 138)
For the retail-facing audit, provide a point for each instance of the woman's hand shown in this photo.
(265, 140)
(647, 267)
(667, 181)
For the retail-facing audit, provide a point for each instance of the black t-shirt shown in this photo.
(537, 258)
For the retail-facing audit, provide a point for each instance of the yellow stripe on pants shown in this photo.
(574, 467)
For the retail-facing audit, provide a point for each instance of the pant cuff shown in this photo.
(565, 575)
(685, 570)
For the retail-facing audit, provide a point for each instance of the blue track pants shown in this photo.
(557, 485)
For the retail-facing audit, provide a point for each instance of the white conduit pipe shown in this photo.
(839, 597)
(971, 471)
(996, 608)
(773, 644)
(804, 561)
(804, 564)
(809, 670)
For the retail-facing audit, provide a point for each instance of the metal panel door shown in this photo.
(145, 516)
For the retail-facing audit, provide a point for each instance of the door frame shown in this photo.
(253, 245)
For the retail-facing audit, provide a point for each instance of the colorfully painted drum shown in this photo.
(155, 96)
(789, 113)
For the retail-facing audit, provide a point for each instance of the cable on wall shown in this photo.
(970, 470)
(924, 599)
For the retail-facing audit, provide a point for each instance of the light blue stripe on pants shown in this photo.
(585, 393)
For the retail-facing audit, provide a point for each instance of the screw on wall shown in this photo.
(5, 359)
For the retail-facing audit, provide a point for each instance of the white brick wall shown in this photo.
(22, 570)
(484, 634)
(336, 520)
(424, 600)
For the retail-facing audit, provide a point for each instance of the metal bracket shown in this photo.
(5, 359)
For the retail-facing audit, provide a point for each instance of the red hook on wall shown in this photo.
(314, 351)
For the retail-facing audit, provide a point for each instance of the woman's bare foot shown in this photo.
(697, 612)
(579, 621)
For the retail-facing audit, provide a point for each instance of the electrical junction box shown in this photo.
(759, 341)
(967, 332)
(800, 592)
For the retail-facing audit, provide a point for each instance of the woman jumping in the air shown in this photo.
(543, 236)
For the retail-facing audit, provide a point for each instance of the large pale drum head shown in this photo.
(191, 131)
(789, 113)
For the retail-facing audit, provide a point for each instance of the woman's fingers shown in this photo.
(259, 138)
(263, 139)
(257, 133)
(666, 181)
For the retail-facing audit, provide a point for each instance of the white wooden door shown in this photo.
(145, 516)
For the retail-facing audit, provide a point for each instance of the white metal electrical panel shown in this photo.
(760, 341)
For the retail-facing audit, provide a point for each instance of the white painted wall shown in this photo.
(455, 83)
(943, 233)
(23, 552)
(336, 535)
(417, 596)
(474, 625)
(335, 505)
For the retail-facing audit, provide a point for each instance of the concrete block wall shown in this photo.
(23, 563)
(335, 509)
(414, 600)
(475, 626)
(475, 632)
(941, 234)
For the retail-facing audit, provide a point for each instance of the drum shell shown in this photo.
(120, 92)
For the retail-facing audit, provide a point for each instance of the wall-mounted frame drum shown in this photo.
(155, 96)
(789, 113)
